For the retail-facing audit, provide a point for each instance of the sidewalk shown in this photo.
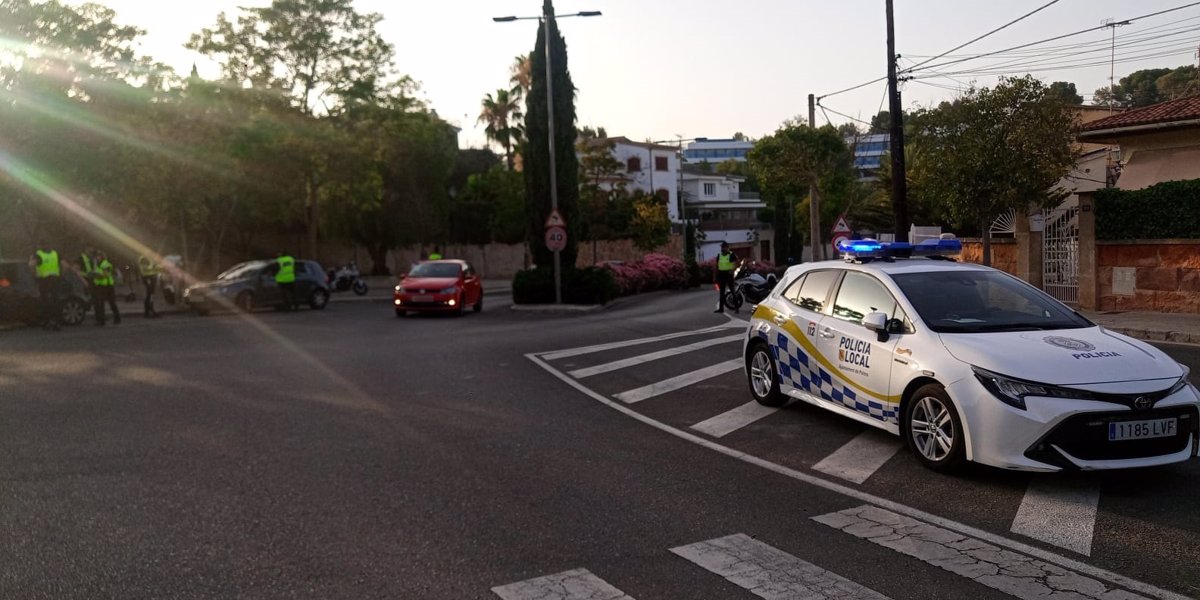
(1183, 328)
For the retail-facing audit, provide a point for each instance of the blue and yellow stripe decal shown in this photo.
(793, 330)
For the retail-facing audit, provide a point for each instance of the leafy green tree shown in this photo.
(319, 53)
(998, 149)
(501, 116)
(1066, 92)
(650, 227)
(1179, 83)
(796, 157)
(1135, 90)
(536, 156)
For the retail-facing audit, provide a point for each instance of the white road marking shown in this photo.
(768, 572)
(851, 492)
(859, 458)
(559, 354)
(637, 360)
(1060, 512)
(678, 382)
(1014, 574)
(733, 420)
(576, 584)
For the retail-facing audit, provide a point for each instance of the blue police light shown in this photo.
(860, 247)
(938, 248)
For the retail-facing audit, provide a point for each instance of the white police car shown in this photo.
(967, 363)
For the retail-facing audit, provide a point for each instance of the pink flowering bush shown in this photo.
(653, 272)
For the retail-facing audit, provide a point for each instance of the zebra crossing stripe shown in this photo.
(733, 420)
(679, 382)
(1014, 574)
(859, 458)
(569, 352)
(576, 584)
(768, 572)
(637, 360)
(1059, 511)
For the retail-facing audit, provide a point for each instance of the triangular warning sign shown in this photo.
(555, 220)
(841, 226)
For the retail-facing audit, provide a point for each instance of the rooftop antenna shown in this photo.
(1112, 81)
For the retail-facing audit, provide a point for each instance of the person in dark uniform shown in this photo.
(104, 279)
(285, 278)
(148, 269)
(46, 267)
(723, 274)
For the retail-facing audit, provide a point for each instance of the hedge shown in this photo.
(1165, 210)
(590, 285)
(653, 272)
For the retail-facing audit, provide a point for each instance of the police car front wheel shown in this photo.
(933, 430)
(764, 385)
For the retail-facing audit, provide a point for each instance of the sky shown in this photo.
(667, 69)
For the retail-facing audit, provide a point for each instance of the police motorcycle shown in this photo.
(748, 286)
(347, 278)
(171, 278)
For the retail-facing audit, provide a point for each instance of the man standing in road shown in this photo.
(285, 278)
(149, 272)
(104, 290)
(45, 264)
(724, 275)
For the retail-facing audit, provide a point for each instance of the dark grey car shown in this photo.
(19, 294)
(250, 285)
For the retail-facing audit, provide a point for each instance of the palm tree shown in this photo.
(521, 75)
(502, 115)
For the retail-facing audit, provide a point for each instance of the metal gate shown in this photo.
(1060, 254)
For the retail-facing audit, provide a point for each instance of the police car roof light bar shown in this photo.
(867, 250)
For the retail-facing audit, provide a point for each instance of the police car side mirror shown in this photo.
(877, 322)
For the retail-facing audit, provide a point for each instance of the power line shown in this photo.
(1000, 28)
(1020, 69)
(1058, 37)
(823, 108)
(1065, 61)
(852, 88)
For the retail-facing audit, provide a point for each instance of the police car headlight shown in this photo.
(1013, 391)
(1183, 381)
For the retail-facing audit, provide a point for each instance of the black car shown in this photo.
(250, 285)
(19, 294)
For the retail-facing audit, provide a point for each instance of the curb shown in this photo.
(1152, 335)
(559, 308)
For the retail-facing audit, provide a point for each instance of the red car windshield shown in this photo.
(434, 270)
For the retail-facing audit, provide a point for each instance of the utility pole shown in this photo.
(814, 201)
(899, 177)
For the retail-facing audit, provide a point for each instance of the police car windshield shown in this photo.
(434, 269)
(956, 301)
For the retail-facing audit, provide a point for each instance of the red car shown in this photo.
(439, 286)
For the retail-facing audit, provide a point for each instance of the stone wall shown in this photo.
(1004, 253)
(622, 250)
(1156, 275)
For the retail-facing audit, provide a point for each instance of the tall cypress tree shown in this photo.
(536, 157)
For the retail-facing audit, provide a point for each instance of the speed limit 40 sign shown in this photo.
(556, 238)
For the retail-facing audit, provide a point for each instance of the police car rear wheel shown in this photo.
(764, 385)
(933, 430)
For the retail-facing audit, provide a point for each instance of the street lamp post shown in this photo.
(547, 15)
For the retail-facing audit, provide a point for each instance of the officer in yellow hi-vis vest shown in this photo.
(285, 278)
(723, 275)
(47, 269)
(104, 280)
(148, 269)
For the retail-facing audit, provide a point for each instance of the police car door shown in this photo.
(795, 339)
(862, 365)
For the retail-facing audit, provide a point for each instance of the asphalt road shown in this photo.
(349, 454)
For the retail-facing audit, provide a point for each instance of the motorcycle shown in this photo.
(171, 278)
(347, 278)
(748, 286)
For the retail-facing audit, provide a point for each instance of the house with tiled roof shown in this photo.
(1157, 143)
